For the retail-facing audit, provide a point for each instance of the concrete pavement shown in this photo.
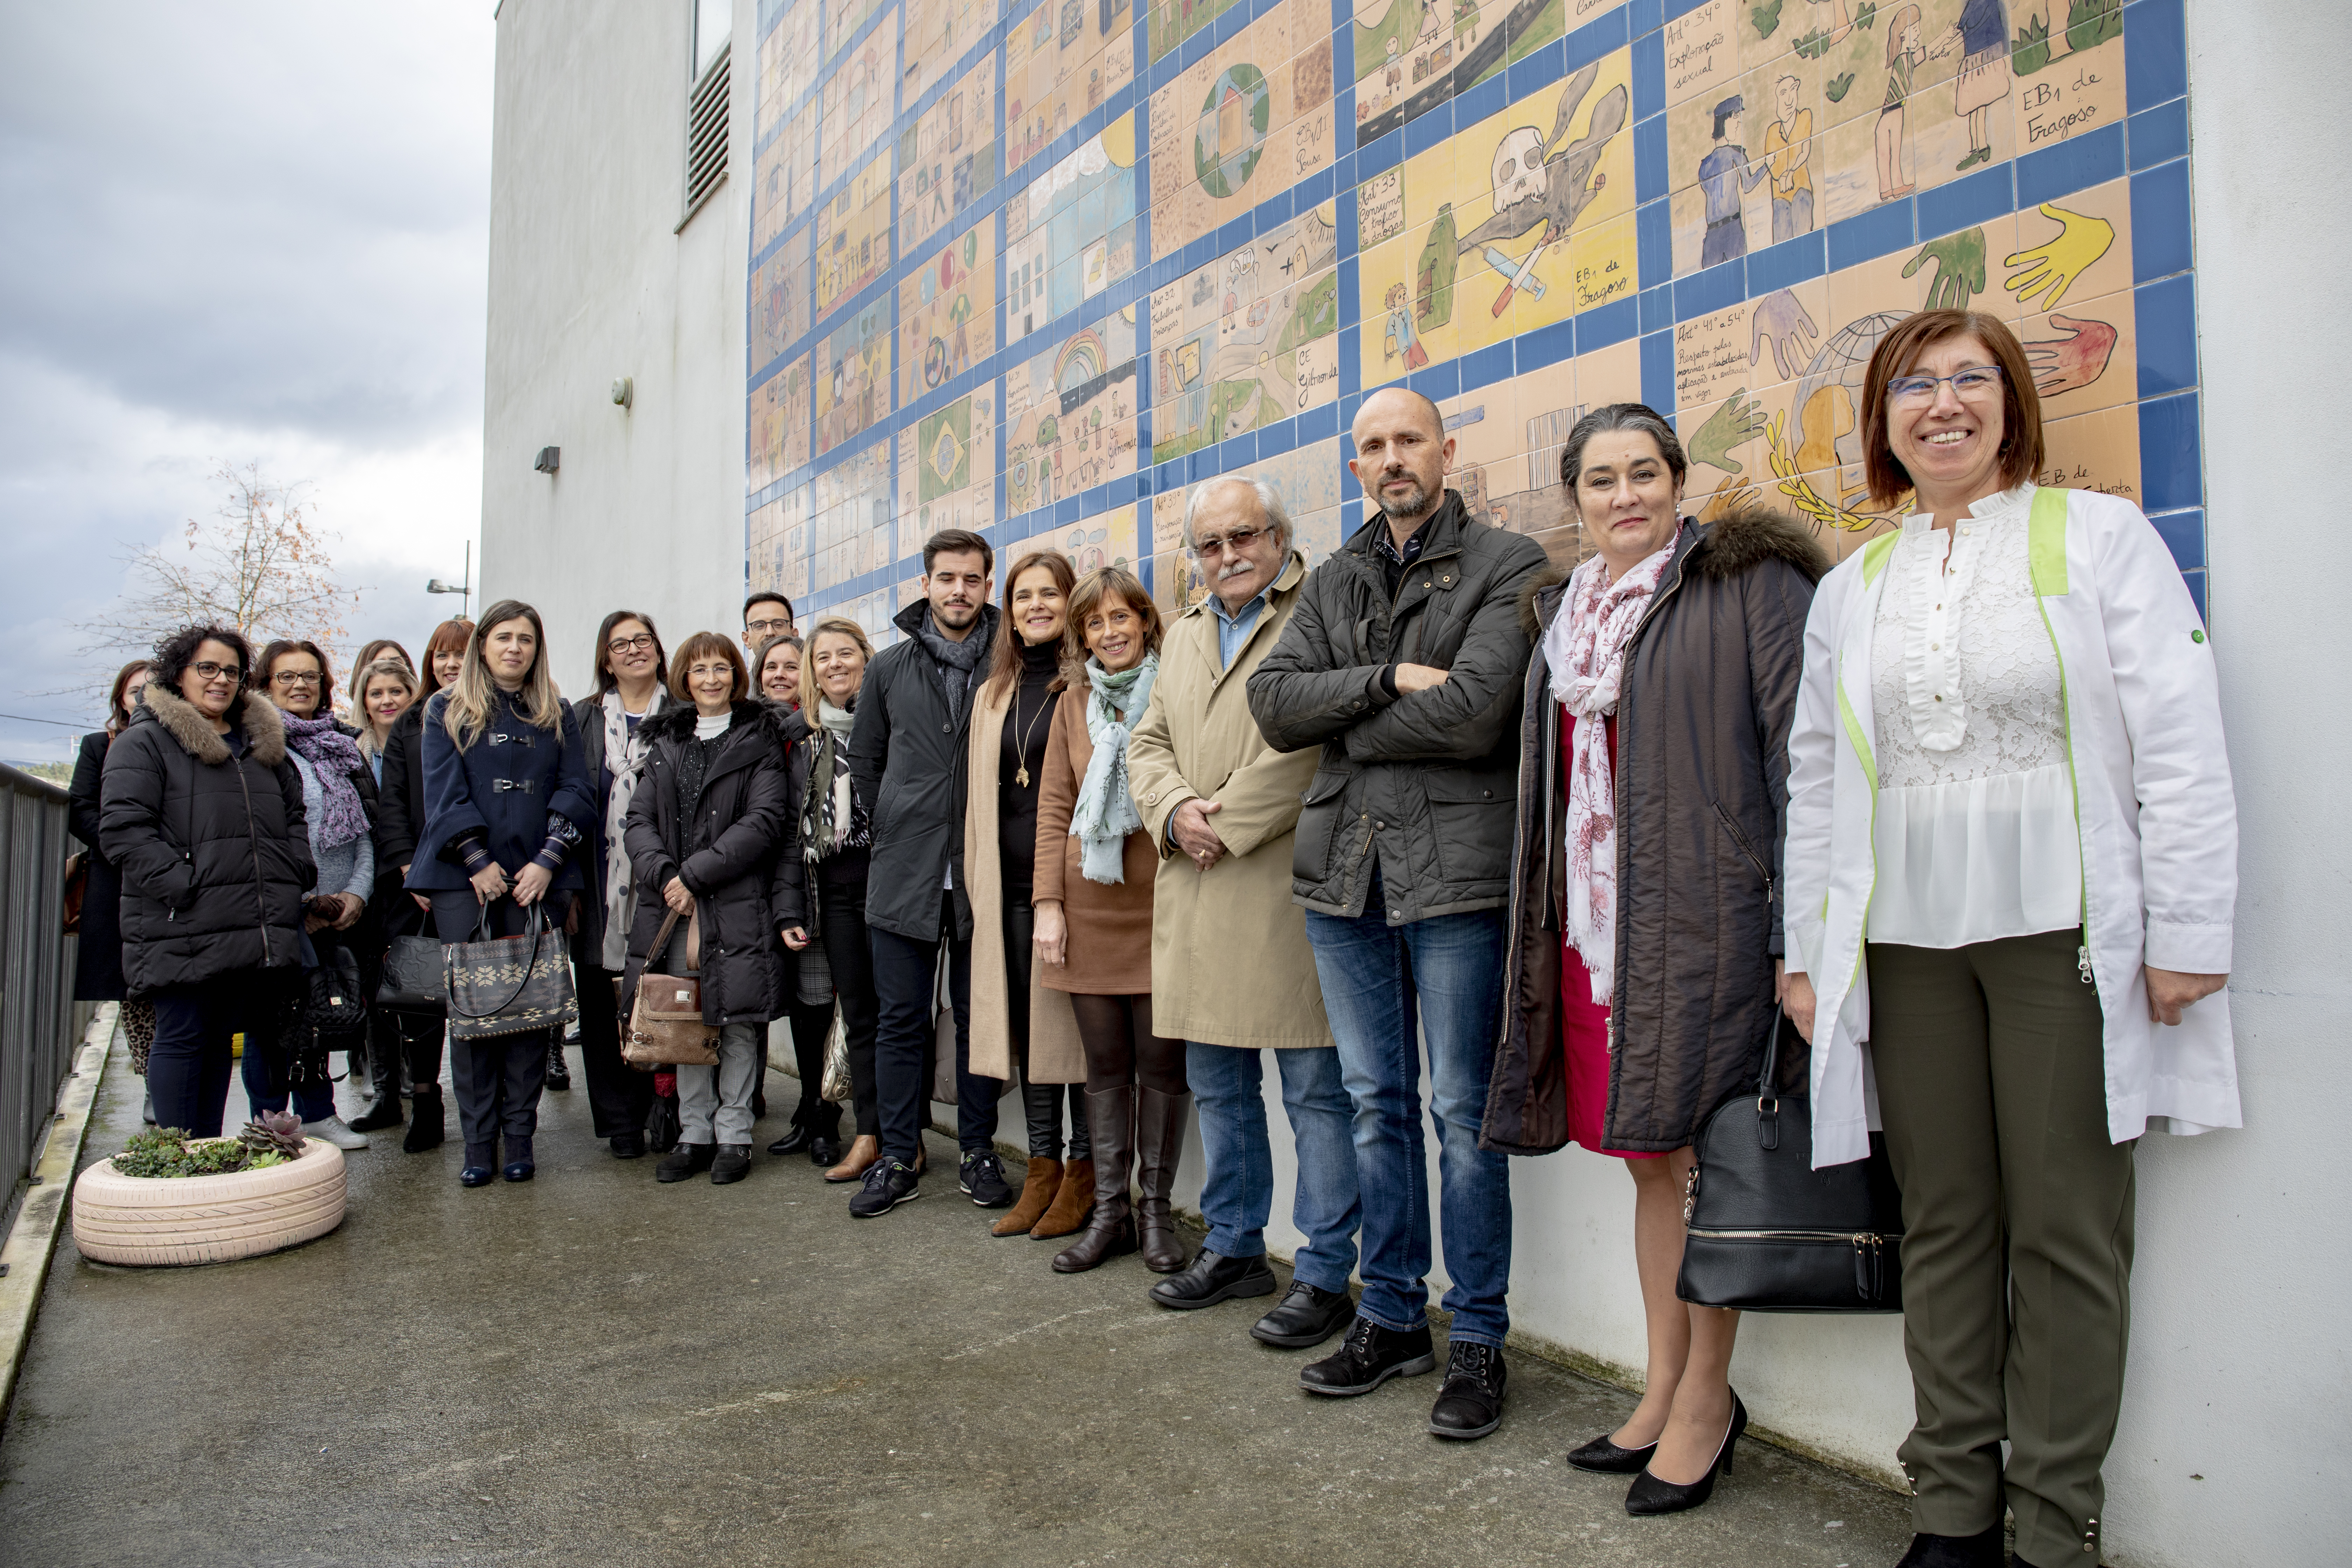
(592, 1368)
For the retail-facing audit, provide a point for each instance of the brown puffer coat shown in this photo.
(1702, 778)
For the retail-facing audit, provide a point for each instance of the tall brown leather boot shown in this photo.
(1037, 1191)
(1072, 1204)
(1159, 1141)
(1111, 1231)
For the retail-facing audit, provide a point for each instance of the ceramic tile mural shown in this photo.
(1036, 267)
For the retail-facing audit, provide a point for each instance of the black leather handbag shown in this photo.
(413, 980)
(1768, 1233)
(333, 1006)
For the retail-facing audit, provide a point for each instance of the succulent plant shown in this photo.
(277, 1133)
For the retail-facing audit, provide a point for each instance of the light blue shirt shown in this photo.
(1234, 630)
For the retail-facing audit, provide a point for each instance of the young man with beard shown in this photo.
(1404, 661)
(906, 756)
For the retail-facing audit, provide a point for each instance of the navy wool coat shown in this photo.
(503, 786)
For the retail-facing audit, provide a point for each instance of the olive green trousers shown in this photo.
(2017, 1247)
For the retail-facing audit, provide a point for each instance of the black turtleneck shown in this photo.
(1026, 724)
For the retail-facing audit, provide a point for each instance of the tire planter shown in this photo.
(164, 1220)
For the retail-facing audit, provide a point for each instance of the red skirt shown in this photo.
(1584, 1023)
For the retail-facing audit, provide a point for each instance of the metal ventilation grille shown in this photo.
(706, 134)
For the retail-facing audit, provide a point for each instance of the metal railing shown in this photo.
(38, 1037)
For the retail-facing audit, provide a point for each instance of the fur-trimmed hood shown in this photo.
(1738, 542)
(263, 730)
(675, 722)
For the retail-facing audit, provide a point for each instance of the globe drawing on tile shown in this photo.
(1830, 394)
(1231, 132)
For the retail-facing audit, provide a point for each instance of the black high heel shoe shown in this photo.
(1649, 1495)
(1602, 1457)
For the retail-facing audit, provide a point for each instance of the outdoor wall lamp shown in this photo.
(549, 457)
(625, 391)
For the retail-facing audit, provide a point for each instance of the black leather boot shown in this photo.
(559, 1075)
(1158, 1141)
(424, 1121)
(383, 1055)
(1111, 1231)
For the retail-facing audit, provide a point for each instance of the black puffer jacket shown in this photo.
(726, 856)
(906, 758)
(1702, 785)
(214, 846)
(1424, 780)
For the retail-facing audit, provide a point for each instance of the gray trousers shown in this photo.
(2017, 1247)
(714, 1103)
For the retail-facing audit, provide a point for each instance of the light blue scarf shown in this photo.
(1105, 814)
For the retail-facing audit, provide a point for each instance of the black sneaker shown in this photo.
(733, 1164)
(983, 1177)
(686, 1160)
(888, 1183)
(1470, 1401)
(1369, 1356)
(1308, 1316)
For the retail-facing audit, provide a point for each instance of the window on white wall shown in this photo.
(706, 109)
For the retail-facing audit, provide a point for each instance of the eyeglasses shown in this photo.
(641, 643)
(1977, 381)
(769, 629)
(208, 670)
(1238, 540)
(292, 677)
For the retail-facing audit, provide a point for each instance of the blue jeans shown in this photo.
(1375, 978)
(1238, 1187)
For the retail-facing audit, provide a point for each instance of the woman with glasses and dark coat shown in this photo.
(202, 813)
(631, 671)
(705, 828)
(507, 814)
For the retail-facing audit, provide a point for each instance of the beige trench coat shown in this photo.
(1056, 1054)
(1230, 963)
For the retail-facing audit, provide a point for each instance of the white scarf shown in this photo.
(1584, 648)
(625, 760)
(1104, 812)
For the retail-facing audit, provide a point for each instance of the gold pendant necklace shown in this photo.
(1020, 773)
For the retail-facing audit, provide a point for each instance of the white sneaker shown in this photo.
(332, 1130)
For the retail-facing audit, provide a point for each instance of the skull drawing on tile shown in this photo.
(1520, 167)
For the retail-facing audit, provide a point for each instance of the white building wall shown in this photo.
(2235, 1439)
(590, 280)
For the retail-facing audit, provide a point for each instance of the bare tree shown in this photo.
(259, 564)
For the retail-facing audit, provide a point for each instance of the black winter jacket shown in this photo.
(727, 857)
(1702, 784)
(906, 758)
(1424, 781)
(97, 954)
(214, 847)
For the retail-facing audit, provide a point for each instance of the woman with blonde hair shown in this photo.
(383, 690)
(2011, 875)
(507, 809)
(1092, 893)
(1017, 1026)
(828, 849)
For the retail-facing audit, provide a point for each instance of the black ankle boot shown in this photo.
(424, 1127)
(1982, 1550)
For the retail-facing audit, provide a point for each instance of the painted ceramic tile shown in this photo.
(777, 540)
(853, 517)
(780, 424)
(1062, 62)
(784, 172)
(1472, 241)
(1411, 55)
(1702, 51)
(853, 376)
(1070, 234)
(1173, 21)
(788, 63)
(853, 235)
(1070, 415)
(842, 18)
(947, 314)
(1741, 160)
(2084, 356)
(1250, 339)
(1107, 540)
(946, 467)
(858, 101)
(947, 163)
(1247, 121)
(2097, 451)
(938, 33)
(779, 300)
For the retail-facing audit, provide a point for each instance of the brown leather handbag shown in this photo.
(666, 1026)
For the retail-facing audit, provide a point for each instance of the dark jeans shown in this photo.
(619, 1096)
(266, 1086)
(850, 954)
(499, 1079)
(905, 1045)
(188, 1066)
(1041, 1102)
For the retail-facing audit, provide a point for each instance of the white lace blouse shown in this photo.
(1976, 835)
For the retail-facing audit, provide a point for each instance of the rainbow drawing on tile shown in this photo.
(1037, 267)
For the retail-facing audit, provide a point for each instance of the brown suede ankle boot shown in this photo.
(1072, 1204)
(1111, 1230)
(1044, 1181)
(1158, 1141)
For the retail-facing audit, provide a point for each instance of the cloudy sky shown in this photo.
(238, 232)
